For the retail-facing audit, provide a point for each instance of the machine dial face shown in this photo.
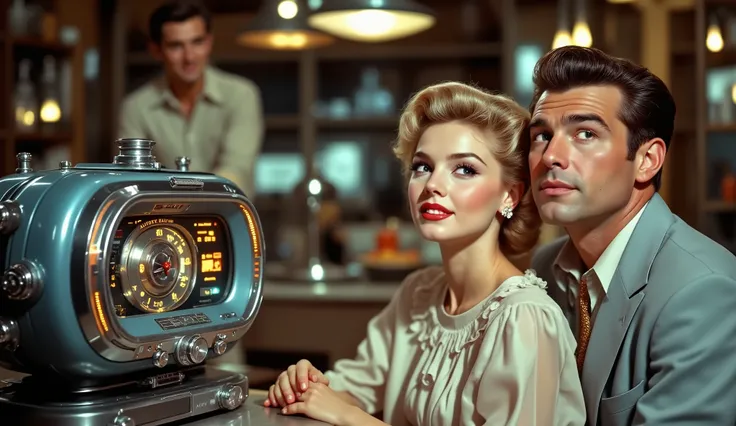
(157, 266)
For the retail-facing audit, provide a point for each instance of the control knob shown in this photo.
(182, 163)
(191, 350)
(23, 160)
(220, 345)
(122, 420)
(21, 281)
(160, 358)
(9, 333)
(230, 397)
(9, 216)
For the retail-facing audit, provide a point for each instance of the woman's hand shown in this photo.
(322, 403)
(295, 379)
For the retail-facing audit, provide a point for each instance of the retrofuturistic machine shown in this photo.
(119, 282)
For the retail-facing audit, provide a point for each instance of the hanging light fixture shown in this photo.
(282, 25)
(581, 35)
(562, 36)
(372, 20)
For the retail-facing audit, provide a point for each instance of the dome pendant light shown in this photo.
(372, 20)
(282, 25)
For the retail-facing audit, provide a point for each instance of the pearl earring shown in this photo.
(507, 212)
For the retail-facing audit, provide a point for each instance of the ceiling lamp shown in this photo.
(282, 25)
(372, 20)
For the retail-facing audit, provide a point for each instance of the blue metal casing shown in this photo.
(68, 218)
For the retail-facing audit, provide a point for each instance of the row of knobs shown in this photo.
(190, 351)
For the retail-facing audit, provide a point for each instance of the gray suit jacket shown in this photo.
(663, 346)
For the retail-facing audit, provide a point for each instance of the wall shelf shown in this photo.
(722, 128)
(12, 50)
(720, 207)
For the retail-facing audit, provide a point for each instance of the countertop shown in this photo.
(253, 413)
(336, 291)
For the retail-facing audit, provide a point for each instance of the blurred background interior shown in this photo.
(331, 113)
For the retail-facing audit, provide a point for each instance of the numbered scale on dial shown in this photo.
(156, 268)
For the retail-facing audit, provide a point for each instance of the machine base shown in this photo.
(150, 403)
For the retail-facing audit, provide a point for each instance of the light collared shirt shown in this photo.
(223, 134)
(569, 267)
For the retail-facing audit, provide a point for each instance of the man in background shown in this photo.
(195, 110)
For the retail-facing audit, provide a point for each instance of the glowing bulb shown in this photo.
(50, 111)
(714, 39)
(287, 9)
(25, 117)
(286, 40)
(733, 93)
(562, 39)
(317, 272)
(371, 22)
(371, 25)
(581, 35)
(315, 187)
(29, 118)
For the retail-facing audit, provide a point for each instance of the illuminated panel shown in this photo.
(253, 231)
(101, 320)
(211, 283)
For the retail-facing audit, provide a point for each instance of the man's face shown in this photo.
(185, 49)
(578, 158)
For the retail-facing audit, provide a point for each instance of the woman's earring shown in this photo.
(507, 212)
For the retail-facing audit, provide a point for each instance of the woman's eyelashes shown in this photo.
(462, 169)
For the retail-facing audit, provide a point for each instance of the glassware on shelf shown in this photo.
(24, 19)
(371, 99)
(50, 113)
(26, 104)
(387, 238)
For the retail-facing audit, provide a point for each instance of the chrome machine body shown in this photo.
(124, 277)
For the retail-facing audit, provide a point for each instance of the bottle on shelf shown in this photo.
(26, 104)
(50, 113)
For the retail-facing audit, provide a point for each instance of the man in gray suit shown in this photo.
(652, 300)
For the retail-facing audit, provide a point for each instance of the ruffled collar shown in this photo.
(432, 324)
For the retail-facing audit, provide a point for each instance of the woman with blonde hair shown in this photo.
(474, 341)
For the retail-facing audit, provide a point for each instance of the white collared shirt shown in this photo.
(568, 267)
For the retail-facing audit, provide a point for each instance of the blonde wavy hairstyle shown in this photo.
(506, 123)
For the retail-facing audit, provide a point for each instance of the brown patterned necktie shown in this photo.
(584, 327)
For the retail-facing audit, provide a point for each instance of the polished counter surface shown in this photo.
(253, 413)
(348, 291)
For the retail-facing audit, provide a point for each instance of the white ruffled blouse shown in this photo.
(507, 361)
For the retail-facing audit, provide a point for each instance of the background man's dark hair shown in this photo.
(176, 11)
(647, 107)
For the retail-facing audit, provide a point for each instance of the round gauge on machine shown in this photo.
(157, 267)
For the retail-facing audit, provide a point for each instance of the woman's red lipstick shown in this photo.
(434, 212)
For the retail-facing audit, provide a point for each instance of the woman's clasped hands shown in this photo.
(303, 389)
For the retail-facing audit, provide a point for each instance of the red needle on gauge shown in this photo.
(167, 266)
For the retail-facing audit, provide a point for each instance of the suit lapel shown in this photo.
(611, 323)
(622, 299)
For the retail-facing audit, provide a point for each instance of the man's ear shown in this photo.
(650, 159)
